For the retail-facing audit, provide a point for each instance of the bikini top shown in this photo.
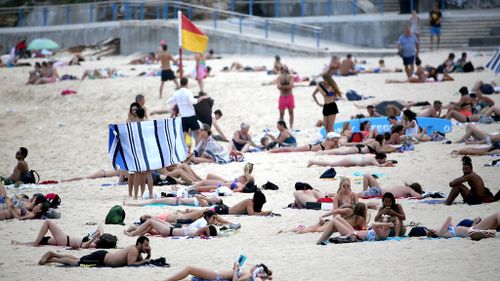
(330, 94)
(342, 203)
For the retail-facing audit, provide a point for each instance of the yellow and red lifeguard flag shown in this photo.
(192, 38)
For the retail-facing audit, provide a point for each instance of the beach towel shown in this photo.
(494, 63)
(147, 145)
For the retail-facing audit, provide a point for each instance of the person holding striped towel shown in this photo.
(184, 100)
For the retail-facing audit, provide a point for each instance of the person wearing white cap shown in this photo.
(241, 139)
(331, 142)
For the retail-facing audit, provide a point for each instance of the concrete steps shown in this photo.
(389, 5)
(458, 33)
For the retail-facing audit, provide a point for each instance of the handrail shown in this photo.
(176, 3)
(141, 10)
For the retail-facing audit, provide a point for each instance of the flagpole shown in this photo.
(179, 17)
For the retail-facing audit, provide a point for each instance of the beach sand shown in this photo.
(67, 136)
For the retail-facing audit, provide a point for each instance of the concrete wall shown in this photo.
(375, 34)
(367, 33)
(144, 36)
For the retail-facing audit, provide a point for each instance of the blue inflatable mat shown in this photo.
(382, 125)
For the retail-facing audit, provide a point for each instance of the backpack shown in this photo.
(106, 241)
(269, 185)
(353, 95)
(29, 177)
(356, 137)
(468, 67)
(53, 199)
(116, 215)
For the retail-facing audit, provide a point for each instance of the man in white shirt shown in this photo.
(184, 99)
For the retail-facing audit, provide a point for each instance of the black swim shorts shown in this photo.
(95, 258)
(190, 123)
(473, 199)
(221, 209)
(330, 109)
(167, 74)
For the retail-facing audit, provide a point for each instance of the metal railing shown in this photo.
(322, 7)
(159, 10)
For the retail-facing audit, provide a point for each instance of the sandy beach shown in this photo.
(67, 136)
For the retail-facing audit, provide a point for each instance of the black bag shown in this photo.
(329, 174)
(468, 67)
(158, 181)
(269, 185)
(30, 177)
(106, 241)
(250, 187)
(159, 262)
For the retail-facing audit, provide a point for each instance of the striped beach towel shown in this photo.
(147, 145)
(494, 63)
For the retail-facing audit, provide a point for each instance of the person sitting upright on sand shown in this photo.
(477, 194)
(20, 170)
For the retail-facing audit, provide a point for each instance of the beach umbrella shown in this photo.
(494, 63)
(40, 44)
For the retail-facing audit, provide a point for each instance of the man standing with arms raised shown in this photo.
(166, 73)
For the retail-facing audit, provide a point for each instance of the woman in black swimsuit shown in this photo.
(59, 238)
(330, 92)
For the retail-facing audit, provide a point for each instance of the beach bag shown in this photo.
(352, 95)
(53, 199)
(107, 241)
(30, 177)
(269, 185)
(328, 174)
(468, 67)
(116, 215)
(356, 137)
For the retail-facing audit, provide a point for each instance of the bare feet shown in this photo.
(128, 233)
(45, 258)
(309, 163)
(477, 235)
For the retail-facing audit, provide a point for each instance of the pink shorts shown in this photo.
(286, 102)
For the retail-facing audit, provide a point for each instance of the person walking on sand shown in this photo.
(166, 72)
(408, 46)
(184, 99)
(286, 100)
